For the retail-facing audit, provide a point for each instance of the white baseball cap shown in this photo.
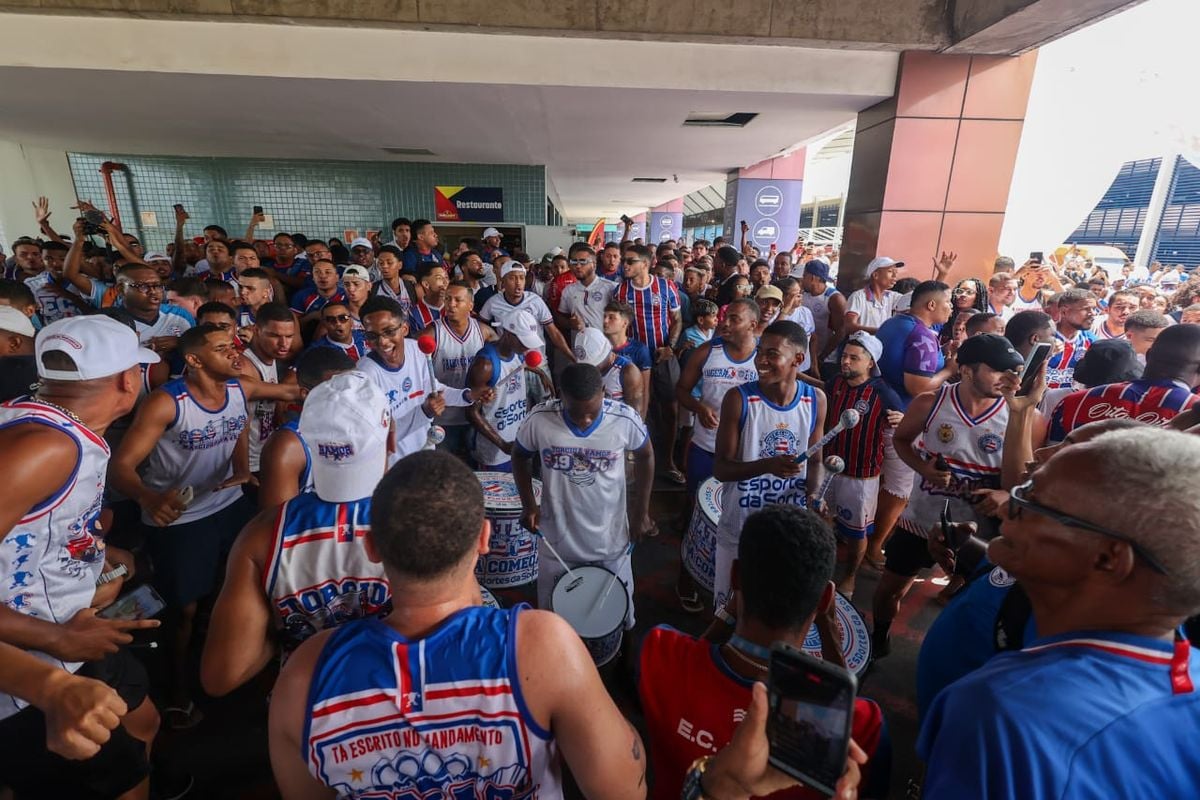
(490, 232)
(345, 422)
(14, 321)
(154, 255)
(357, 272)
(869, 343)
(883, 262)
(524, 326)
(362, 242)
(100, 346)
(511, 265)
(591, 347)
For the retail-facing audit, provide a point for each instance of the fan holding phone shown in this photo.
(692, 694)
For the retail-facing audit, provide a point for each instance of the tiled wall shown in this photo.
(318, 198)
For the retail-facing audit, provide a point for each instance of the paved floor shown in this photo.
(227, 750)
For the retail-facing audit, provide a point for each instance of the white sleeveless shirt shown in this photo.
(49, 561)
(196, 450)
(452, 359)
(718, 375)
(508, 408)
(262, 412)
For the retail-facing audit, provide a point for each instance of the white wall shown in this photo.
(27, 172)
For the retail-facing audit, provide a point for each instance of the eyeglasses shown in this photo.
(579, 262)
(964, 290)
(337, 318)
(1018, 499)
(371, 336)
(629, 262)
(146, 288)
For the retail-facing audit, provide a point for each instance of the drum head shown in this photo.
(856, 640)
(581, 606)
(489, 599)
(500, 493)
(708, 499)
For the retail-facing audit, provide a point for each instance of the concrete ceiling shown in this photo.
(597, 114)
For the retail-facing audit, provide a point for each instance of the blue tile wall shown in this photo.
(318, 198)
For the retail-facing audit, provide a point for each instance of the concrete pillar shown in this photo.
(1154, 212)
(767, 197)
(665, 222)
(932, 166)
(31, 172)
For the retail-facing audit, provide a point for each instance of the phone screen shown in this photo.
(1033, 364)
(142, 603)
(1037, 256)
(812, 708)
(258, 210)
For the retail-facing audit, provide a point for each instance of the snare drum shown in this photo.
(699, 549)
(856, 641)
(599, 624)
(512, 558)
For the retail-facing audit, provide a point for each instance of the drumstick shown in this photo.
(834, 465)
(848, 419)
(575, 579)
(613, 580)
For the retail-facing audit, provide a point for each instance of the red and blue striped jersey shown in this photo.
(422, 315)
(652, 307)
(1151, 402)
(861, 447)
(1060, 368)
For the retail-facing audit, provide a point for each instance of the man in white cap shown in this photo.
(872, 305)
(622, 378)
(492, 239)
(18, 368)
(362, 253)
(497, 377)
(307, 554)
(513, 297)
(90, 369)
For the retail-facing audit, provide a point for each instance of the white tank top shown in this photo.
(718, 375)
(196, 450)
(49, 561)
(508, 408)
(974, 449)
(262, 412)
(451, 361)
(768, 430)
(818, 306)
(613, 388)
(319, 575)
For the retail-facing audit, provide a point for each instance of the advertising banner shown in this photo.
(772, 210)
(665, 225)
(468, 204)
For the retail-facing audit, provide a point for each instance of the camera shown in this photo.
(93, 222)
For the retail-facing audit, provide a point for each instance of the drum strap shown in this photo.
(1008, 633)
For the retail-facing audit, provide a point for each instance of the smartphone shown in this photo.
(1037, 255)
(811, 713)
(258, 210)
(179, 206)
(1033, 365)
(186, 495)
(142, 603)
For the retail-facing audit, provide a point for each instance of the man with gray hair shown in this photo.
(1105, 538)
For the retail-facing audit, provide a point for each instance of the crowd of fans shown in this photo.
(245, 427)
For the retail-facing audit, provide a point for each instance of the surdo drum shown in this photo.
(512, 558)
(594, 601)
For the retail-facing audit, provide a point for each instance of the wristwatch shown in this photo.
(692, 790)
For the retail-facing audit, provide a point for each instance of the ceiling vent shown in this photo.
(718, 120)
(409, 151)
(649, 180)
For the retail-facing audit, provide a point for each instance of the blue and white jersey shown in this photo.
(52, 305)
(319, 575)
(50, 560)
(292, 428)
(1085, 714)
(613, 388)
(452, 359)
(507, 410)
(171, 321)
(583, 477)
(196, 450)
(767, 430)
(718, 375)
(443, 716)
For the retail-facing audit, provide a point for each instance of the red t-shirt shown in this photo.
(693, 702)
(560, 282)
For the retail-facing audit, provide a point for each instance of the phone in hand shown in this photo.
(1033, 365)
(258, 210)
(178, 207)
(142, 603)
(811, 715)
(1038, 256)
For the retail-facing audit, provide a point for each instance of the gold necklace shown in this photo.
(66, 411)
(745, 658)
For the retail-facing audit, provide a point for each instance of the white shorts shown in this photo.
(897, 478)
(853, 502)
(549, 571)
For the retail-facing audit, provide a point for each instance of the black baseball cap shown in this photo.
(991, 349)
(1108, 361)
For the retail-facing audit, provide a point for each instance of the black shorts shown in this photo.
(189, 559)
(907, 554)
(33, 771)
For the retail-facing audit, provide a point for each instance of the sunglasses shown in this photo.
(629, 262)
(579, 262)
(1018, 500)
(337, 318)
